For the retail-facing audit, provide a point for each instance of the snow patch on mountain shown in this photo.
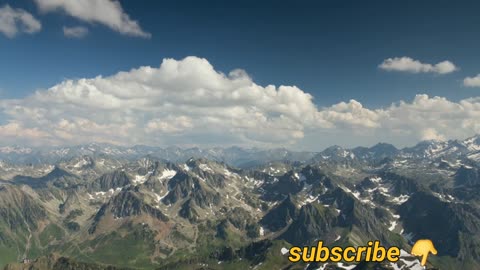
(408, 262)
(393, 225)
(140, 179)
(81, 163)
(400, 199)
(346, 267)
(205, 168)
(167, 174)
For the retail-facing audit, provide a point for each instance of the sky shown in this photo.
(298, 74)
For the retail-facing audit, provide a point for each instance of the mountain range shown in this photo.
(100, 206)
(240, 157)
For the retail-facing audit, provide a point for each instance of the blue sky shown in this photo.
(329, 49)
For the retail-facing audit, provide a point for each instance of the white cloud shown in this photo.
(106, 12)
(472, 81)
(16, 20)
(407, 64)
(75, 32)
(424, 118)
(188, 102)
(180, 102)
(432, 134)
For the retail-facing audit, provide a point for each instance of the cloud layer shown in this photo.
(16, 20)
(75, 32)
(472, 81)
(106, 12)
(188, 102)
(407, 64)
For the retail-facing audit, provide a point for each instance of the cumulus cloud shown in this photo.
(407, 64)
(180, 102)
(75, 32)
(472, 81)
(106, 12)
(188, 102)
(16, 20)
(430, 134)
